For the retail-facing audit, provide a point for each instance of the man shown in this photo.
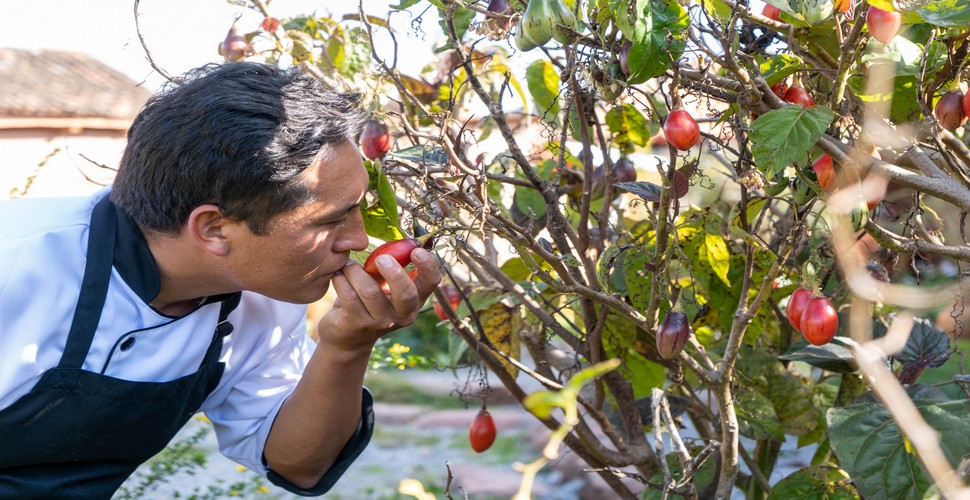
(182, 288)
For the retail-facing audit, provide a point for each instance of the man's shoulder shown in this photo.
(26, 217)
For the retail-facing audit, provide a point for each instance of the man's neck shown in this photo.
(186, 275)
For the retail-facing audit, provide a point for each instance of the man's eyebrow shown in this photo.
(337, 214)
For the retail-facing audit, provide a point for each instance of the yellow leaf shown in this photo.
(502, 325)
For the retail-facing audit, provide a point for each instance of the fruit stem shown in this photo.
(426, 240)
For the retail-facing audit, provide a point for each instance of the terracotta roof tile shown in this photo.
(61, 84)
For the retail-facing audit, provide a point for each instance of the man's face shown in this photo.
(301, 250)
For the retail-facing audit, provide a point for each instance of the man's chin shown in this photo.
(307, 295)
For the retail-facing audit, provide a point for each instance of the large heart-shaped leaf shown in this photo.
(757, 416)
(870, 447)
(946, 12)
(791, 398)
(784, 136)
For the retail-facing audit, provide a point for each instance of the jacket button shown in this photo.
(127, 343)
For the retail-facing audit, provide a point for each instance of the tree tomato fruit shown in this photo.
(883, 24)
(843, 5)
(681, 130)
(624, 170)
(771, 12)
(624, 57)
(949, 111)
(796, 306)
(375, 140)
(825, 173)
(798, 95)
(672, 334)
(399, 249)
(966, 104)
(454, 298)
(819, 321)
(779, 89)
(481, 432)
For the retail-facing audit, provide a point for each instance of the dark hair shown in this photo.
(236, 135)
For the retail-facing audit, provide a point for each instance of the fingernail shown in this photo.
(385, 261)
(420, 255)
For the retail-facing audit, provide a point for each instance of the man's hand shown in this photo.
(362, 312)
(323, 412)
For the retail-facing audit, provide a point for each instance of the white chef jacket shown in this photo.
(43, 242)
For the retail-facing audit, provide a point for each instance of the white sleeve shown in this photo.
(264, 358)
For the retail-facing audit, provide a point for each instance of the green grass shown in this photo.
(387, 387)
(390, 437)
(508, 448)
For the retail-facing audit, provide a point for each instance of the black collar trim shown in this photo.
(133, 259)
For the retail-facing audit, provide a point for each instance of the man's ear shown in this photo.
(209, 229)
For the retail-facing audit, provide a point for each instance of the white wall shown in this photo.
(63, 158)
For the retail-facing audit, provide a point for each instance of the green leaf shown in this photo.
(481, 300)
(404, 4)
(462, 18)
(609, 269)
(870, 447)
(718, 9)
(429, 156)
(926, 342)
(819, 482)
(657, 33)
(757, 416)
(790, 396)
(717, 256)
(833, 356)
(541, 403)
(702, 479)
(357, 53)
(516, 269)
(784, 136)
(619, 331)
(643, 374)
(380, 217)
(779, 67)
(587, 374)
(543, 81)
(647, 191)
(629, 127)
(907, 56)
(638, 267)
(955, 13)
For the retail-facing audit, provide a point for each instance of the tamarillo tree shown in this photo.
(651, 302)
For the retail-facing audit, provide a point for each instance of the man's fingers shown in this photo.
(429, 276)
(404, 293)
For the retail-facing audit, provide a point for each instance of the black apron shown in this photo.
(80, 434)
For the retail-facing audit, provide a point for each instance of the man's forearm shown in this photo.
(317, 420)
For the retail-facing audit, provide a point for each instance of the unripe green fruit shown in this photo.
(537, 22)
(561, 15)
